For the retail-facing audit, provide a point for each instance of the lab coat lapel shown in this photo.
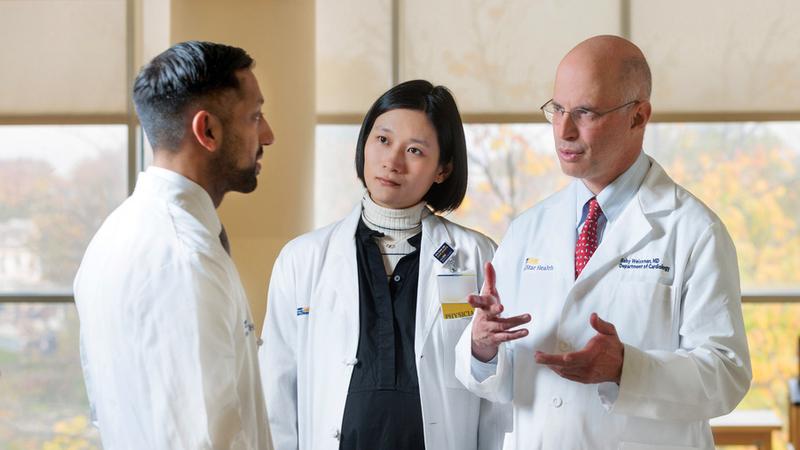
(657, 193)
(434, 234)
(343, 276)
(561, 220)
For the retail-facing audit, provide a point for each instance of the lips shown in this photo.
(259, 154)
(569, 155)
(386, 182)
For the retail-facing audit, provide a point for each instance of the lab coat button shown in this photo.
(564, 346)
(557, 402)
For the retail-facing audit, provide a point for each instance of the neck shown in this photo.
(625, 163)
(391, 221)
(180, 162)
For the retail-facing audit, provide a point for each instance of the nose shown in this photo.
(564, 127)
(265, 135)
(393, 159)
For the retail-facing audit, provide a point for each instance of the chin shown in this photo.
(386, 202)
(572, 170)
(245, 185)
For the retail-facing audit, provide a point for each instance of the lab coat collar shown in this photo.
(657, 194)
(343, 239)
(185, 193)
(659, 191)
(434, 234)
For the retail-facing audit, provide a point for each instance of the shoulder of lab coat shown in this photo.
(710, 371)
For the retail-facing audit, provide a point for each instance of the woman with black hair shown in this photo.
(358, 350)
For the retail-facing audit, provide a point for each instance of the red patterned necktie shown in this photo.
(587, 241)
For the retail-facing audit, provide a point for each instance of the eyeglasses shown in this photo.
(580, 116)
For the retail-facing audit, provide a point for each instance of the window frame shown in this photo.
(135, 155)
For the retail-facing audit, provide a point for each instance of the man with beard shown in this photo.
(167, 339)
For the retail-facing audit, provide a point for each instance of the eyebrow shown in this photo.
(585, 107)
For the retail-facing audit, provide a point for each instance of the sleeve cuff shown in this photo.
(483, 370)
(608, 393)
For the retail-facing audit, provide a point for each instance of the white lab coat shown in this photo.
(307, 359)
(167, 342)
(686, 357)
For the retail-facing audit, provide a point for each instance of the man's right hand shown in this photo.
(488, 328)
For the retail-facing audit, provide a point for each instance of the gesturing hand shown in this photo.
(599, 361)
(488, 328)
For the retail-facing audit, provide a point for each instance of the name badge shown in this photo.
(453, 291)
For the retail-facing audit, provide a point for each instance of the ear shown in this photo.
(444, 172)
(207, 130)
(642, 115)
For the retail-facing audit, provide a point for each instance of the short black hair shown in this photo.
(439, 105)
(184, 74)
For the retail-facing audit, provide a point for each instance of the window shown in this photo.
(65, 144)
(57, 184)
(44, 399)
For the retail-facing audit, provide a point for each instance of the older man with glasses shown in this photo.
(611, 317)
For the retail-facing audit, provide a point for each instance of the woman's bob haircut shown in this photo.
(439, 105)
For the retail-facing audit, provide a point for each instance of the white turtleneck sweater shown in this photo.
(397, 225)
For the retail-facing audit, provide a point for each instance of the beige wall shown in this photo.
(279, 34)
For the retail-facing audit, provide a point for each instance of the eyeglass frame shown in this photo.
(580, 121)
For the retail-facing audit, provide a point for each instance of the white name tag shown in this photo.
(453, 291)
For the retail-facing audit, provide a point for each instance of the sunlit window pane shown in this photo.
(511, 168)
(749, 174)
(57, 185)
(44, 402)
(772, 331)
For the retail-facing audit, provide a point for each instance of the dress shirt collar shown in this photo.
(614, 197)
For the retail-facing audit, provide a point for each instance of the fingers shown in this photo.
(505, 336)
(506, 323)
(487, 303)
(565, 360)
(489, 280)
(601, 326)
(552, 359)
(489, 332)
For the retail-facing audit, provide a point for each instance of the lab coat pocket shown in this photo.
(451, 333)
(638, 446)
(643, 314)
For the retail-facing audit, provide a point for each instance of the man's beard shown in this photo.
(231, 177)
